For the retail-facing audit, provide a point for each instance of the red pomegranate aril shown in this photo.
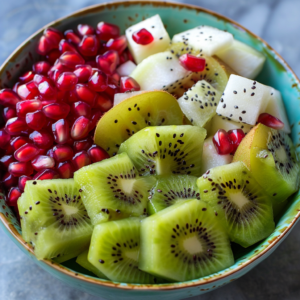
(50, 153)
(19, 168)
(47, 90)
(61, 131)
(71, 96)
(42, 151)
(107, 31)
(42, 162)
(26, 152)
(56, 111)
(116, 76)
(18, 142)
(83, 73)
(26, 77)
(222, 142)
(46, 175)
(62, 152)
(103, 102)
(5, 161)
(192, 63)
(16, 126)
(13, 196)
(41, 67)
(65, 169)
(236, 136)
(44, 46)
(66, 81)
(36, 120)
(89, 45)
(47, 102)
(81, 108)
(98, 82)
(72, 37)
(85, 29)
(42, 139)
(95, 119)
(96, 153)
(16, 86)
(4, 139)
(80, 160)
(108, 61)
(8, 113)
(91, 63)
(80, 128)
(52, 56)
(38, 79)
(53, 35)
(125, 56)
(27, 106)
(22, 182)
(56, 70)
(112, 89)
(270, 121)
(28, 90)
(84, 93)
(71, 59)
(82, 144)
(9, 150)
(128, 84)
(8, 97)
(143, 37)
(65, 46)
(9, 180)
(119, 44)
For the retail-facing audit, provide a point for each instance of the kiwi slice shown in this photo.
(153, 108)
(171, 189)
(112, 189)
(114, 251)
(166, 150)
(54, 219)
(270, 156)
(244, 206)
(183, 242)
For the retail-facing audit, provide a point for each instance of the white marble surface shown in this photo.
(278, 277)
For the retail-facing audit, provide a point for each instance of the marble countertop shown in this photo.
(276, 278)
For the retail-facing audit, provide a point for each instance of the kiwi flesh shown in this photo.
(114, 251)
(183, 242)
(152, 108)
(54, 219)
(171, 189)
(112, 189)
(166, 150)
(242, 204)
(270, 156)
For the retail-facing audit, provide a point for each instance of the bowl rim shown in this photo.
(148, 287)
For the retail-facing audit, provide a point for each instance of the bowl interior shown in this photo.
(176, 19)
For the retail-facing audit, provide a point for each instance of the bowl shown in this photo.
(177, 17)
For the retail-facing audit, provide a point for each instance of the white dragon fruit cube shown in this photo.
(160, 43)
(208, 40)
(126, 68)
(243, 100)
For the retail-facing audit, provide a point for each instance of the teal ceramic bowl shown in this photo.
(177, 18)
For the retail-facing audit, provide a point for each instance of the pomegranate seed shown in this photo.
(98, 82)
(41, 139)
(13, 196)
(270, 121)
(107, 31)
(222, 142)
(16, 126)
(81, 108)
(80, 160)
(36, 120)
(26, 77)
(41, 67)
(60, 131)
(192, 63)
(96, 153)
(18, 142)
(53, 35)
(6, 160)
(43, 151)
(125, 56)
(62, 152)
(65, 46)
(9, 150)
(85, 94)
(56, 111)
(128, 84)
(53, 55)
(27, 106)
(71, 59)
(108, 61)
(103, 102)
(83, 73)
(22, 182)
(236, 136)
(119, 44)
(80, 128)
(50, 153)
(4, 139)
(116, 76)
(28, 90)
(37, 79)
(8, 113)
(66, 81)
(45, 45)
(85, 29)
(82, 144)
(65, 169)
(72, 96)
(142, 37)
(46, 175)
(91, 63)
(56, 70)
(42, 162)
(95, 119)
(18, 168)
(89, 45)
(8, 97)
(26, 152)
(72, 37)
(9, 180)
(47, 91)
(16, 86)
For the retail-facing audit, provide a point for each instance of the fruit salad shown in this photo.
(144, 158)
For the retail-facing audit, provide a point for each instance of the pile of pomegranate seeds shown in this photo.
(52, 111)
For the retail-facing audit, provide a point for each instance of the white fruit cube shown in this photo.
(208, 40)
(126, 68)
(160, 43)
(243, 100)
(119, 97)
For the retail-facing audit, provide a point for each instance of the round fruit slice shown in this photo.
(183, 242)
(241, 202)
(153, 108)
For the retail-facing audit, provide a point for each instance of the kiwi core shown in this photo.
(192, 245)
(127, 185)
(134, 255)
(239, 199)
(281, 154)
(70, 210)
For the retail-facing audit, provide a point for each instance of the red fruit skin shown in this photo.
(128, 84)
(22, 182)
(66, 81)
(61, 131)
(18, 168)
(26, 77)
(270, 121)
(192, 63)
(9, 180)
(222, 142)
(13, 196)
(65, 169)
(107, 31)
(119, 44)
(42, 139)
(142, 37)
(96, 153)
(80, 128)
(98, 81)
(85, 29)
(27, 106)
(41, 67)
(236, 136)
(46, 174)
(4, 139)
(9, 112)
(108, 61)
(80, 160)
(26, 152)
(36, 120)
(62, 152)
(82, 144)
(89, 45)
(83, 73)
(8, 97)
(42, 162)
(18, 142)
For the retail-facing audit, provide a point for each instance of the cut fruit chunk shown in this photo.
(243, 100)
(199, 103)
(270, 156)
(147, 109)
(126, 68)
(112, 189)
(119, 97)
(170, 190)
(245, 60)
(183, 242)
(114, 250)
(82, 260)
(205, 39)
(166, 150)
(161, 39)
(54, 219)
(240, 201)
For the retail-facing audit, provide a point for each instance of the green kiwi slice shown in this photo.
(54, 219)
(183, 242)
(114, 251)
(241, 202)
(171, 189)
(166, 150)
(153, 108)
(112, 189)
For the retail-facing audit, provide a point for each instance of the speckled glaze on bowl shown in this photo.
(177, 18)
